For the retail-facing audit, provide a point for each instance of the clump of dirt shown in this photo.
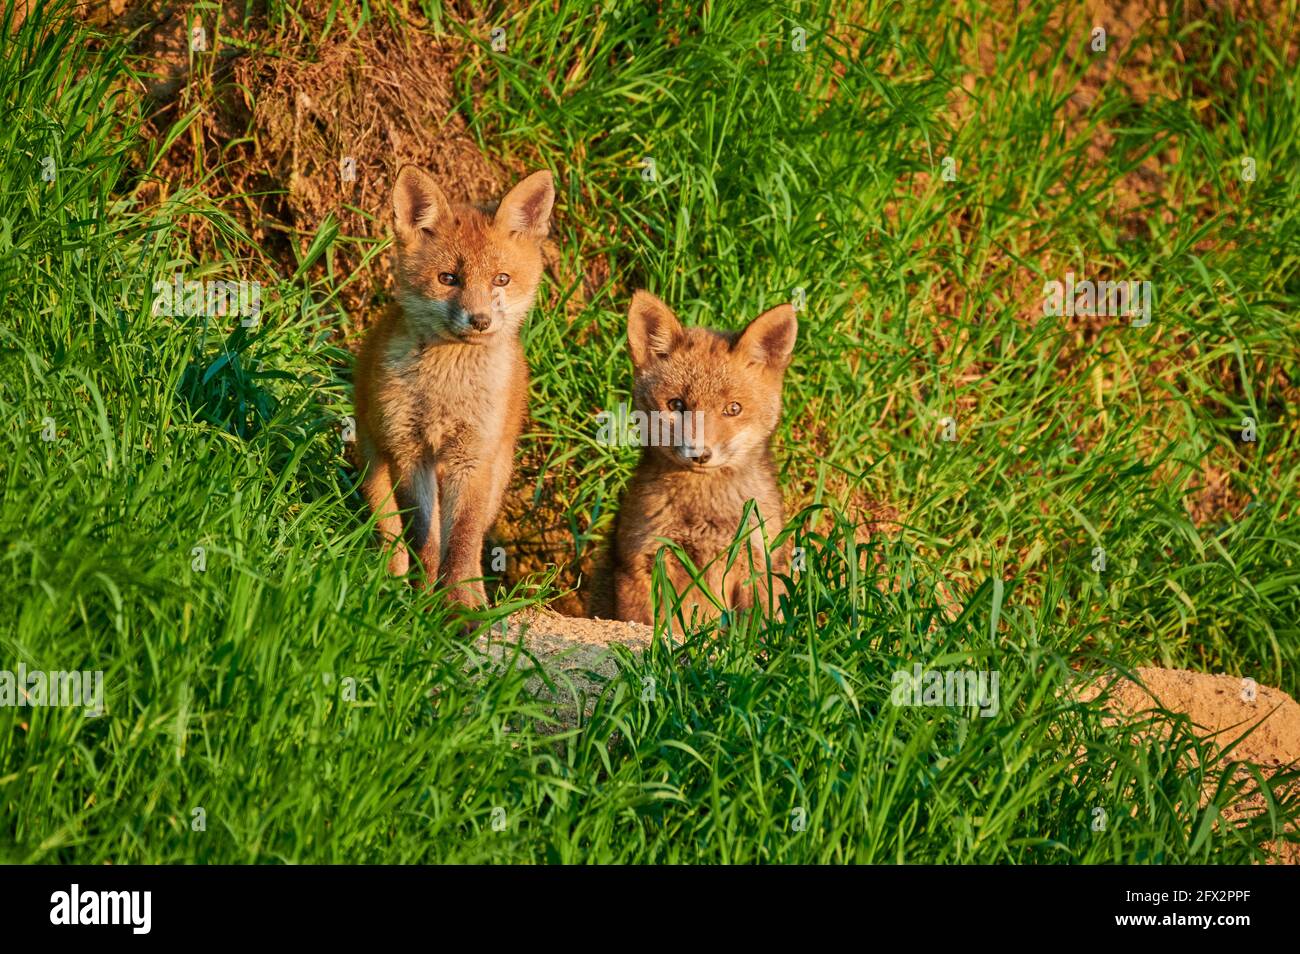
(1216, 498)
(577, 656)
(1221, 708)
(335, 131)
(553, 635)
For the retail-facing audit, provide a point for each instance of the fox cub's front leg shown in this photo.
(417, 492)
(467, 514)
(632, 597)
(378, 487)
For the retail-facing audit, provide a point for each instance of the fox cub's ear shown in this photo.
(653, 331)
(769, 338)
(418, 203)
(527, 207)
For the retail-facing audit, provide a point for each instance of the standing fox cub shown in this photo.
(719, 395)
(442, 384)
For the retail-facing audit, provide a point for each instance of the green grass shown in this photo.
(775, 170)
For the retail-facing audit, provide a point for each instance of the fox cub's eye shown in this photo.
(677, 405)
(447, 278)
(732, 409)
(501, 279)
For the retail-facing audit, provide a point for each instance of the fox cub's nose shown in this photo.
(704, 456)
(480, 322)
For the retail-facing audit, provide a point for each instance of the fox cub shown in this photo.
(718, 398)
(442, 384)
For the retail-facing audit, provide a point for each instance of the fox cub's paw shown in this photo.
(469, 594)
(399, 560)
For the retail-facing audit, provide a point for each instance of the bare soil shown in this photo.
(1222, 709)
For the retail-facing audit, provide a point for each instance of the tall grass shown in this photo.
(192, 529)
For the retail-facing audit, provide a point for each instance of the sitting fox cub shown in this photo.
(442, 384)
(720, 394)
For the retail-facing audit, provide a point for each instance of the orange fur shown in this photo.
(694, 491)
(442, 382)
